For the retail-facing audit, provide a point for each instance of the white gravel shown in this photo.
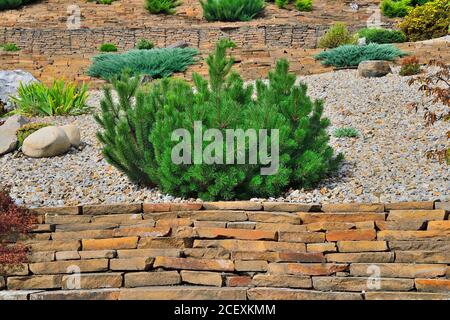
(385, 163)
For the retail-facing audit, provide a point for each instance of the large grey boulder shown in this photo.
(374, 68)
(46, 142)
(10, 82)
(8, 138)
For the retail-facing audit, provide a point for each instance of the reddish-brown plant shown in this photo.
(436, 87)
(15, 221)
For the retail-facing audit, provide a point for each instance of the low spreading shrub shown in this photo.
(377, 35)
(336, 36)
(108, 47)
(161, 6)
(138, 132)
(282, 3)
(14, 222)
(144, 44)
(10, 47)
(352, 55)
(395, 8)
(410, 66)
(156, 62)
(61, 98)
(303, 5)
(347, 132)
(13, 4)
(28, 129)
(432, 20)
(231, 10)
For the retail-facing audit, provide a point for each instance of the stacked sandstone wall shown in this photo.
(236, 250)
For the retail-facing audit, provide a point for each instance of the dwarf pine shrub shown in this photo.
(138, 133)
(155, 62)
(352, 55)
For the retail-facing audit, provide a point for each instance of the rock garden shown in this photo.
(371, 128)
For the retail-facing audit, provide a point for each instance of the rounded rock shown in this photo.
(46, 142)
(73, 133)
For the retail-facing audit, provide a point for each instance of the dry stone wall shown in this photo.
(236, 250)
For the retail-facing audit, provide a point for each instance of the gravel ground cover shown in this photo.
(386, 162)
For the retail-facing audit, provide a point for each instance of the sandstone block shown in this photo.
(131, 264)
(247, 245)
(399, 270)
(362, 246)
(92, 281)
(422, 256)
(173, 223)
(321, 247)
(423, 215)
(67, 255)
(235, 233)
(251, 265)
(69, 266)
(143, 279)
(212, 224)
(233, 205)
(123, 219)
(353, 207)
(282, 281)
(215, 215)
(386, 295)
(103, 209)
(110, 244)
(97, 254)
(134, 253)
(97, 294)
(55, 245)
(206, 253)
(424, 245)
(305, 237)
(183, 293)
(391, 235)
(360, 284)
(164, 243)
(204, 278)
(368, 257)
(351, 235)
(433, 285)
(287, 207)
(142, 231)
(418, 205)
(312, 217)
(298, 294)
(401, 225)
(287, 227)
(274, 217)
(194, 264)
(86, 234)
(241, 225)
(313, 269)
(439, 225)
(34, 282)
(238, 281)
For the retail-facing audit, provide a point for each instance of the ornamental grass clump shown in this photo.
(231, 10)
(141, 134)
(60, 98)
